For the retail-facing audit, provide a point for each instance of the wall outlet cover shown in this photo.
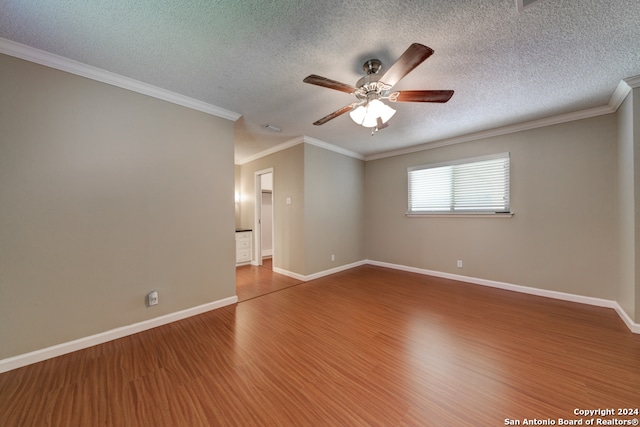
(153, 298)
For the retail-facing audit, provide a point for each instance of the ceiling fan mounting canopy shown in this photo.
(372, 66)
(374, 86)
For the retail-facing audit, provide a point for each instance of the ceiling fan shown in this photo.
(369, 111)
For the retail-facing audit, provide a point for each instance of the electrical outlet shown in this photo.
(459, 263)
(153, 298)
(333, 257)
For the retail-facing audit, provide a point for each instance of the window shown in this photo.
(477, 185)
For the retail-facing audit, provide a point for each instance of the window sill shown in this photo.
(460, 215)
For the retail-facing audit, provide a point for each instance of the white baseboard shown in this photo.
(81, 343)
(600, 302)
(633, 327)
(85, 342)
(319, 274)
(288, 273)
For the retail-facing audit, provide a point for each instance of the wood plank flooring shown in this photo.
(254, 281)
(365, 347)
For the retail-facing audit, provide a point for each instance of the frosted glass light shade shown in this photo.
(358, 114)
(367, 116)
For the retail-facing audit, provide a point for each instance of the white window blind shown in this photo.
(477, 185)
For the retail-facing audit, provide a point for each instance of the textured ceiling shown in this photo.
(506, 66)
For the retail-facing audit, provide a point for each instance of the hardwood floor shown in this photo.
(253, 281)
(367, 346)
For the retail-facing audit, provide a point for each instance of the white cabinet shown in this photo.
(243, 246)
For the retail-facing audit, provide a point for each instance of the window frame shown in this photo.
(452, 211)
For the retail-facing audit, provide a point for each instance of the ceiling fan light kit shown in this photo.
(367, 115)
(373, 88)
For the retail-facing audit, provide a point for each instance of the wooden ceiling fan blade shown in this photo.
(410, 59)
(422, 96)
(331, 84)
(333, 115)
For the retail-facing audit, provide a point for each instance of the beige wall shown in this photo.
(325, 214)
(288, 181)
(238, 191)
(563, 236)
(636, 182)
(626, 207)
(334, 209)
(105, 195)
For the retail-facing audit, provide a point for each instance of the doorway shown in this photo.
(264, 218)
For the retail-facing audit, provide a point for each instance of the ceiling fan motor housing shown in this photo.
(370, 87)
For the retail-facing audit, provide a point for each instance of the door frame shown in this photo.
(258, 216)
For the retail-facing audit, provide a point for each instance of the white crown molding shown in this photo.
(633, 82)
(61, 63)
(619, 95)
(549, 121)
(332, 147)
(113, 334)
(300, 140)
(598, 302)
(265, 153)
(41, 57)
(616, 99)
